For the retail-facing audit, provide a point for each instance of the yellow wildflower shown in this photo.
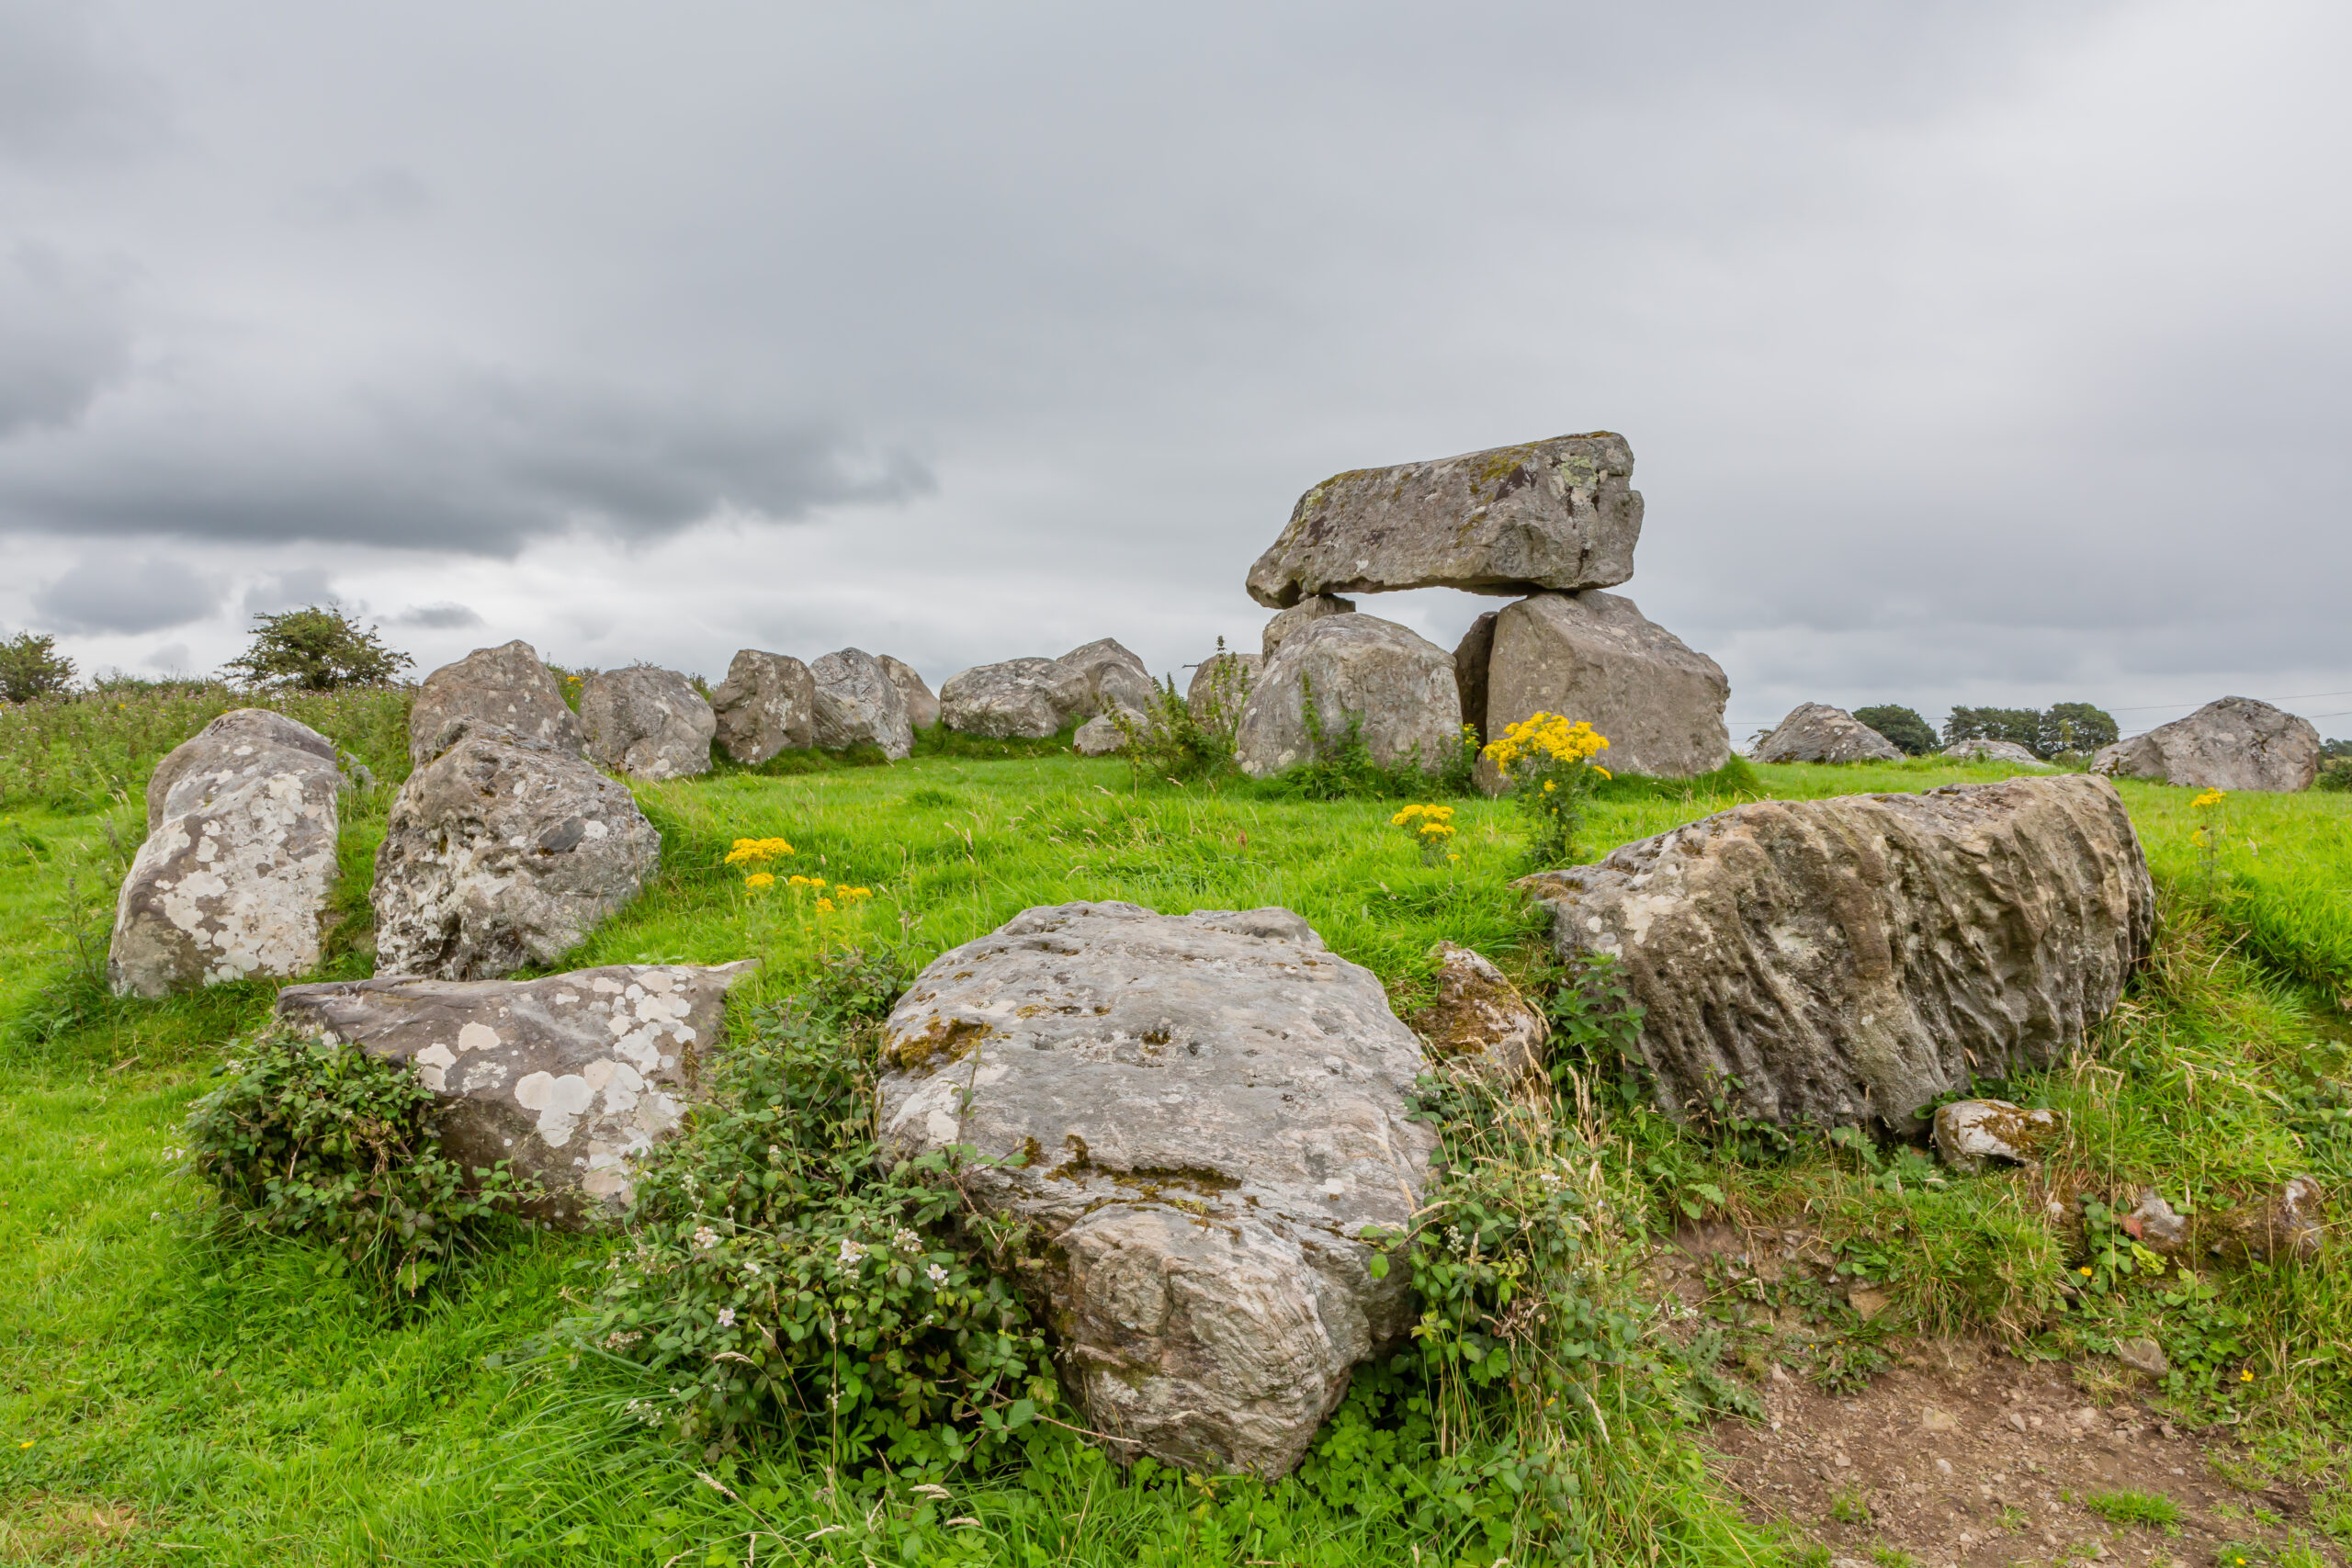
(2084, 1272)
(2211, 797)
(799, 881)
(2246, 1375)
(1546, 735)
(753, 851)
(1550, 785)
(1436, 830)
(824, 906)
(851, 895)
(759, 879)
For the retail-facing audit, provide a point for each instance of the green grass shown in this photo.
(2135, 1508)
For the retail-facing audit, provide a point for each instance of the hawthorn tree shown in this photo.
(316, 649)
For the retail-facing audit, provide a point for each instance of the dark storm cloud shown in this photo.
(296, 589)
(110, 593)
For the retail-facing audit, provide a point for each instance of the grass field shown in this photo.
(169, 1396)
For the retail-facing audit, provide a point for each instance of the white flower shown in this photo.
(851, 1253)
(726, 1317)
(938, 1276)
(907, 1241)
(705, 1238)
(751, 1267)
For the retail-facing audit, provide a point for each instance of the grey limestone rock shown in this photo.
(1312, 608)
(1115, 678)
(1472, 656)
(2234, 743)
(1100, 736)
(507, 686)
(1849, 960)
(1980, 750)
(1478, 1022)
(1027, 698)
(1594, 657)
(1816, 732)
(1973, 1133)
(647, 722)
(859, 704)
(1399, 684)
(923, 705)
(238, 862)
(574, 1078)
(1220, 689)
(1199, 1114)
(1560, 514)
(503, 852)
(766, 706)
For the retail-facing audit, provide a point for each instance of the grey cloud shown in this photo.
(296, 589)
(107, 594)
(172, 658)
(374, 193)
(63, 336)
(438, 618)
(64, 91)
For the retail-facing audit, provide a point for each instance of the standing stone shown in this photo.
(647, 723)
(1853, 960)
(1593, 657)
(1480, 1024)
(500, 852)
(1400, 687)
(1220, 689)
(572, 1078)
(1027, 698)
(1115, 678)
(1099, 736)
(1200, 1115)
(507, 686)
(766, 706)
(858, 705)
(1559, 515)
(922, 707)
(1472, 657)
(1279, 628)
(238, 862)
(2234, 743)
(1979, 749)
(1816, 732)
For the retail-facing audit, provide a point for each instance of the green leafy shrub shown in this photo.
(32, 667)
(2334, 775)
(318, 649)
(1168, 740)
(331, 1146)
(1910, 734)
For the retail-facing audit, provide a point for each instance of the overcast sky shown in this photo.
(1978, 352)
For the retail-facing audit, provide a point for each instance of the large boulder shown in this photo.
(2234, 743)
(858, 705)
(1200, 1115)
(1397, 685)
(1026, 698)
(238, 862)
(1979, 749)
(572, 1078)
(1559, 515)
(1816, 732)
(507, 686)
(766, 706)
(1115, 678)
(648, 723)
(503, 852)
(1312, 608)
(1473, 656)
(1220, 689)
(1594, 657)
(1853, 960)
(922, 707)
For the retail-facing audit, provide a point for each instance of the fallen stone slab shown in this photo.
(2234, 743)
(572, 1078)
(923, 705)
(507, 686)
(1560, 514)
(766, 706)
(1594, 657)
(239, 860)
(859, 704)
(1816, 732)
(1850, 961)
(1015, 698)
(1200, 1115)
(1395, 685)
(647, 722)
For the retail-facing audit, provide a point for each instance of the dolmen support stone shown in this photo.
(1396, 684)
(1849, 960)
(507, 686)
(1220, 688)
(238, 862)
(1594, 657)
(1200, 1115)
(2234, 743)
(1560, 514)
(767, 705)
(647, 722)
(922, 707)
(1816, 732)
(1312, 608)
(572, 1077)
(501, 852)
(858, 705)
(1024, 698)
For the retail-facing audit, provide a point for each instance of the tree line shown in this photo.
(2046, 732)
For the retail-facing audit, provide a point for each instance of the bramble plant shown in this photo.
(32, 667)
(318, 649)
(1547, 764)
(1431, 827)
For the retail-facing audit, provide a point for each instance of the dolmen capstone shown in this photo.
(1849, 960)
(1816, 732)
(1594, 657)
(1982, 749)
(1393, 684)
(922, 707)
(503, 850)
(238, 862)
(1015, 698)
(647, 722)
(2234, 743)
(1200, 1115)
(767, 705)
(572, 1077)
(507, 686)
(859, 704)
(1557, 515)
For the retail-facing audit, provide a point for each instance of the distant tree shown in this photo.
(2022, 726)
(2336, 748)
(317, 648)
(32, 667)
(2076, 726)
(1912, 736)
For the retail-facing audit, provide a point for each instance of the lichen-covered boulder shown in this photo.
(1594, 657)
(1026, 698)
(1312, 608)
(1816, 732)
(500, 852)
(766, 706)
(572, 1077)
(238, 862)
(1480, 1024)
(1220, 689)
(1973, 1133)
(648, 723)
(1115, 678)
(1100, 736)
(1559, 515)
(1398, 685)
(2234, 743)
(858, 705)
(1850, 961)
(922, 707)
(2289, 1223)
(1978, 749)
(1472, 656)
(1199, 1115)
(507, 686)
